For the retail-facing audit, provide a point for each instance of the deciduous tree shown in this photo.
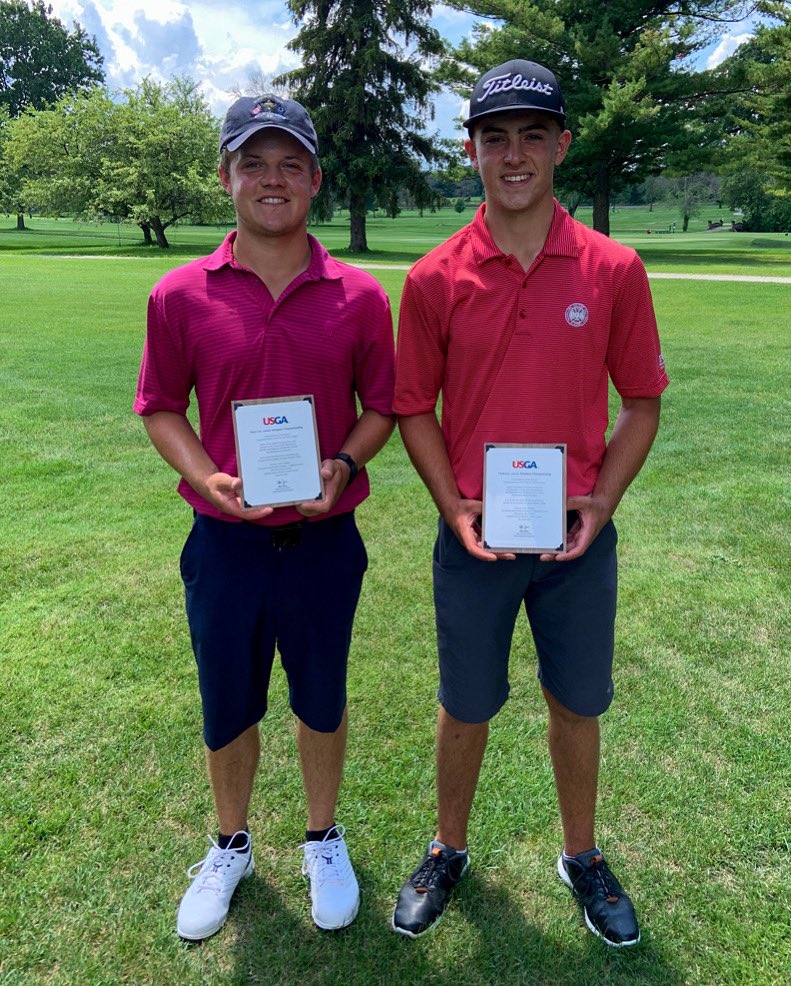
(149, 158)
(40, 61)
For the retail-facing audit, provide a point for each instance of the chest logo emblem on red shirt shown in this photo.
(577, 315)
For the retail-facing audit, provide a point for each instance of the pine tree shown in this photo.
(624, 67)
(365, 84)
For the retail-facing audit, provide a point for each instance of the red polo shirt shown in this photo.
(524, 357)
(214, 327)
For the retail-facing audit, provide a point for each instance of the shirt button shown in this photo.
(523, 314)
(524, 284)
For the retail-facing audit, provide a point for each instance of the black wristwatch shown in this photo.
(345, 457)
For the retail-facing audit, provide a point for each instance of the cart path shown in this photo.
(746, 278)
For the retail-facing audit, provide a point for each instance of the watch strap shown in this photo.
(345, 457)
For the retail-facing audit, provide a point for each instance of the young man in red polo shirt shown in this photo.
(269, 315)
(519, 320)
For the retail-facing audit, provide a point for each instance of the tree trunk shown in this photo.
(159, 232)
(358, 242)
(685, 224)
(20, 220)
(146, 234)
(601, 199)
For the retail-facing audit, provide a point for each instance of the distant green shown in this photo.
(409, 236)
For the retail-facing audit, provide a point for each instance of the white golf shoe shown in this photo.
(204, 907)
(334, 893)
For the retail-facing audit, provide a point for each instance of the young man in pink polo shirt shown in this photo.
(519, 320)
(269, 315)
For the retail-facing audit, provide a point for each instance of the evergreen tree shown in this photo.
(756, 159)
(365, 84)
(624, 70)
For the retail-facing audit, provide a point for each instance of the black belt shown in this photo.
(290, 535)
(287, 535)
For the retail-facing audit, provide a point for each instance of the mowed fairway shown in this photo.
(102, 790)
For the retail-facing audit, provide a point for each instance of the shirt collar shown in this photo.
(561, 239)
(321, 266)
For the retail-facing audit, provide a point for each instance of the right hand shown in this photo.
(222, 491)
(465, 522)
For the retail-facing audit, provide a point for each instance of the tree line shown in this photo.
(637, 107)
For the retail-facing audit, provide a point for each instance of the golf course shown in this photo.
(103, 790)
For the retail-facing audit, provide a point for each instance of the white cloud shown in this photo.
(726, 48)
(220, 46)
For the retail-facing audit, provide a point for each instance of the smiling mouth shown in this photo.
(515, 179)
(271, 200)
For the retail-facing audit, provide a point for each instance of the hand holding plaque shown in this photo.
(524, 498)
(277, 451)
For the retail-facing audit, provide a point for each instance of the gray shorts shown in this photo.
(571, 610)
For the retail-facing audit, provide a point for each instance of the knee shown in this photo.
(562, 715)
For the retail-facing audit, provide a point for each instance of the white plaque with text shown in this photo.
(277, 451)
(524, 498)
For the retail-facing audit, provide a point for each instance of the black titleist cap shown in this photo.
(516, 85)
(248, 115)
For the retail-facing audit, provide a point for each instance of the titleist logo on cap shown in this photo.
(507, 82)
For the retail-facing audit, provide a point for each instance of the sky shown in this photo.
(221, 45)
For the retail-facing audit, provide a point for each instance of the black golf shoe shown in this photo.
(423, 898)
(609, 913)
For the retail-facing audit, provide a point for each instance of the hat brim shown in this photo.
(237, 142)
(508, 109)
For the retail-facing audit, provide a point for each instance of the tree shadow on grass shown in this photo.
(484, 939)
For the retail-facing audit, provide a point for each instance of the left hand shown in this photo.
(335, 474)
(592, 514)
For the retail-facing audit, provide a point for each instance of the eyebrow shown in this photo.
(492, 129)
(253, 156)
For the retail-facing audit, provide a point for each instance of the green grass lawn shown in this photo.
(406, 238)
(102, 792)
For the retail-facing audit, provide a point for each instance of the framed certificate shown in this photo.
(277, 451)
(524, 498)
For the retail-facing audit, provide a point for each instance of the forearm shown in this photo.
(629, 445)
(425, 445)
(368, 436)
(174, 438)
(362, 443)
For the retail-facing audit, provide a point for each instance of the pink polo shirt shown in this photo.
(214, 327)
(525, 357)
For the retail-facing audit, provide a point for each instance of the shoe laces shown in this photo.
(603, 881)
(431, 871)
(212, 872)
(327, 861)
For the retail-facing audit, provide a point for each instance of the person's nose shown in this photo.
(514, 152)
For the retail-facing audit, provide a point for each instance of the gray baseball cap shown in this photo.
(249, 115)
(516, 85)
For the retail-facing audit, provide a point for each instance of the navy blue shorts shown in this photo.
(571, 610)
(251, 588)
